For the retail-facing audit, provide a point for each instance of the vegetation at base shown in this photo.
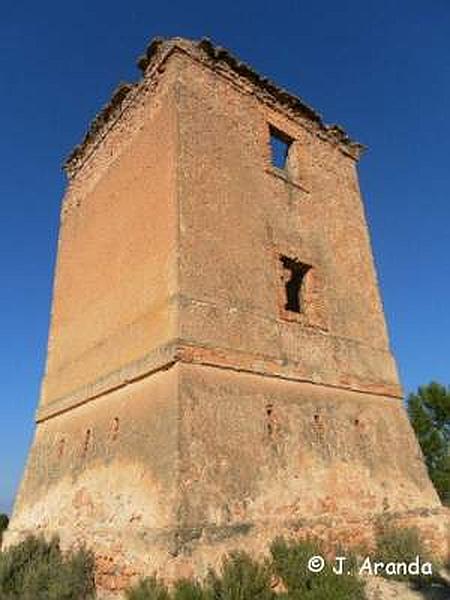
(150, 587)
(429, 413)
(399, 545)
(240, 577)
(283, 576)
(38, 570)
(290, 564)
(395, 545)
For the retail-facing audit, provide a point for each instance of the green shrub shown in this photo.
(152, 588)
(4, 522)
(395, 545)
(186, 589)
(149, 588)
(429, 413)
(290, 564)
(38, 570)
(240, 578)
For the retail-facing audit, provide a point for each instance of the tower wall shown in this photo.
(185, 410)
(264, 448)
(115, 489)
(116, 275)
(238, 214)
(102, 469)
(265, 456)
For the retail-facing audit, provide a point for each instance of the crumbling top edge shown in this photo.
(159, 49)
(285, 98)
(97, 125)
(112, 108)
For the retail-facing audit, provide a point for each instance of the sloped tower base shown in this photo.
(208, 459)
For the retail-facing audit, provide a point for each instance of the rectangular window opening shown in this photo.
(294, 273)
(280, 144)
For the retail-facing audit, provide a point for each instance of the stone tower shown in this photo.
(218, 370)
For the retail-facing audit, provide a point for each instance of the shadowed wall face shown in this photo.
(116, 269)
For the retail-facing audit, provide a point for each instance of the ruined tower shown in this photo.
(218, 369)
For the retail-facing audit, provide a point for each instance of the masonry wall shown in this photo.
(184, 413)
(263, 457)
(238, 214)
(106, 474)
(103, 466)
(116, 270)
(258, 449)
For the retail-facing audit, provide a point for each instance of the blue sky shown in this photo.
(381, 69)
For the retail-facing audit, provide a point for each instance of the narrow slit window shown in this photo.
(61, 447)
(87, 441)
(294, 273)
(115, 429)
(280, 144)
(269, 415)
